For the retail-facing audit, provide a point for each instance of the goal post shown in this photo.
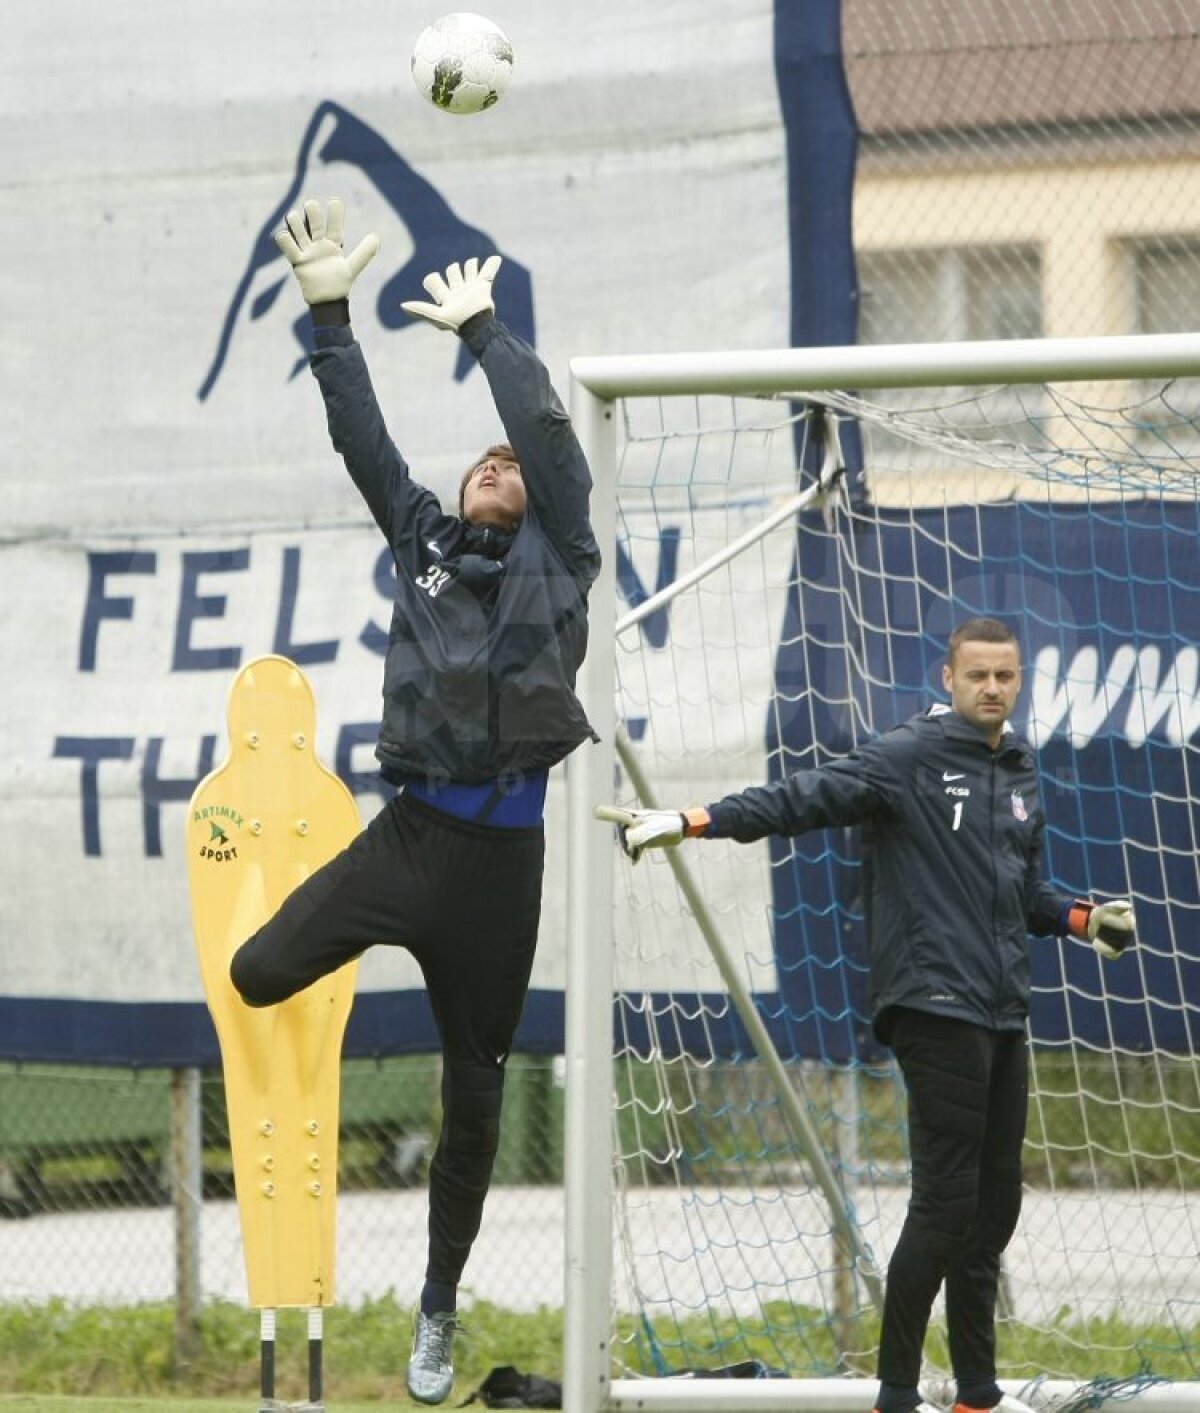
(735, 1146)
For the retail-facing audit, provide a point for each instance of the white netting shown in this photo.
(1071, 511)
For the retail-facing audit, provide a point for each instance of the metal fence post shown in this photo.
(187, 1178)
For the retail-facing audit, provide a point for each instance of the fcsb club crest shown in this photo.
(1018, 806)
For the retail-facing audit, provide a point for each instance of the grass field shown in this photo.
(63, 1359)
(58, 1357)
(53, 1403)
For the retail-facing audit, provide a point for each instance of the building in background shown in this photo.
(1025, 169)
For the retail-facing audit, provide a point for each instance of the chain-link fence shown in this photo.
(117, 1185)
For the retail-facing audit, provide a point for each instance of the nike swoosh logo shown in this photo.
(949, 775)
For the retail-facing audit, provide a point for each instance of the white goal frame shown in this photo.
(596, 383)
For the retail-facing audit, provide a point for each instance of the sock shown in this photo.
(982, 1395)
(438, 1297)
(896, 1398)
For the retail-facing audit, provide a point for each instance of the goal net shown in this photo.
(790, 560)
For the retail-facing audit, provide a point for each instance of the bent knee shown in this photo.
(472, 1102)
(255, 983)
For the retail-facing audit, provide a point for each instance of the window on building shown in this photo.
(1166, 283)
(1166, 300)
(970, 292)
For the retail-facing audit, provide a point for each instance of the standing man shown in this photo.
(488, 631)
(953, 881)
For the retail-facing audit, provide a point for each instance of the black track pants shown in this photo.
(968, 1095)
(464, 899)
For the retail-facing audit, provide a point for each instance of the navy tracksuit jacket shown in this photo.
(952, 834)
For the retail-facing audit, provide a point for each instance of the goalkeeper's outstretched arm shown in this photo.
(654, 829)
(855, 788)
(849, 791)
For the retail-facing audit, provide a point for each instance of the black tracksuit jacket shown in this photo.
(489, 627)
(952, 834)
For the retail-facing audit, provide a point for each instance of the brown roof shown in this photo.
(945, 66)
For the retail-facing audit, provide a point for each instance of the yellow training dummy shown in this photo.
(258, 826)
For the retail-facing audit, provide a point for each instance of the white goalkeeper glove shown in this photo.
(653, 829)
(311, 241)
(464, 291)
(1107, 926)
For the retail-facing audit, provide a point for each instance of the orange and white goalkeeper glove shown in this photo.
(653, 829)
(1107, 926)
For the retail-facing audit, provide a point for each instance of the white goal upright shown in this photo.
(796, 533)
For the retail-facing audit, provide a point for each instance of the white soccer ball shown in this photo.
(462, 63)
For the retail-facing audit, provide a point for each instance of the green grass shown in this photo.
(53, 1403)
(57, 1351)
(63, 1359)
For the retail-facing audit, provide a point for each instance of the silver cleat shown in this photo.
(430, 1372)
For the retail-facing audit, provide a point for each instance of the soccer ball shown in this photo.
(462, 63)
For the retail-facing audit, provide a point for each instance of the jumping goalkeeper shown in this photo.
(953, 884)
(488, 632)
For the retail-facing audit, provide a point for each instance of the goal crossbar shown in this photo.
(905, 365)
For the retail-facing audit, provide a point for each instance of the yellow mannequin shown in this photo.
(258, 826)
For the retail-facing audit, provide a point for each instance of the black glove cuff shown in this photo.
(331, 315)
(472, 330)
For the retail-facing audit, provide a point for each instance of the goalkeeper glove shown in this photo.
(653, 829)
(312, 243)
(466, 290)
(1107, 926)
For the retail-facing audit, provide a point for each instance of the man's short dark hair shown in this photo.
(980, 630)
(500, 449)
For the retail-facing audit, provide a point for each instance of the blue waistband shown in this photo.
(506, 803)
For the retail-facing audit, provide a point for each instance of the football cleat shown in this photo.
(430, 1372)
